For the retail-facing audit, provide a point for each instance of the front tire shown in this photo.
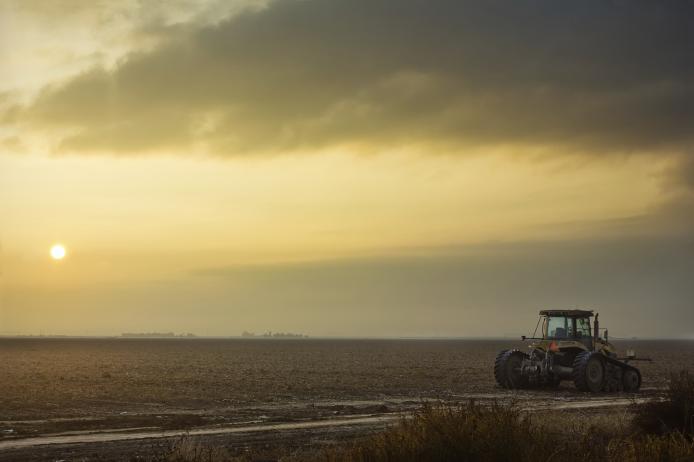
(589, 371)
(507, 369)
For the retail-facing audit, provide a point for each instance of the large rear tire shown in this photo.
(631, 380)
(589, 371)
(507, 369)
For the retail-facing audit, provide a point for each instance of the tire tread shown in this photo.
(500, 373)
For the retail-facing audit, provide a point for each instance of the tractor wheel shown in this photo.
(631, 380)
(589, 371)
(507, 369)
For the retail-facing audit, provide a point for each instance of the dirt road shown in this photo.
(108, 444)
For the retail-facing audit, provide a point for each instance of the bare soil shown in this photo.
(72, 387)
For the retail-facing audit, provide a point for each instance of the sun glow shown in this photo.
(58, 252)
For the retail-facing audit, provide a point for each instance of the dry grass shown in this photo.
(661, 431)
(190, 449)
(471, 432)
(186, 449)
(675, 413)
(466, 432)
(502, 433)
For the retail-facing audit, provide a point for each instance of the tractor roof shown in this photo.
(568, 313)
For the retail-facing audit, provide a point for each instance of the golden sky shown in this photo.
(345, 167)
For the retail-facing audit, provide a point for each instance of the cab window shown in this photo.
(583, 327)
(558, 327)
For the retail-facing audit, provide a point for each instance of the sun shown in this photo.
(58, 252)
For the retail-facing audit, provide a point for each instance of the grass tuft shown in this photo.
(673, 414)
(466, 432)
(501, 433)
(187, 449)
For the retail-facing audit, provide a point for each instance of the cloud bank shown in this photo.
(445, 75)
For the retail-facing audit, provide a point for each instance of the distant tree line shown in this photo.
(270, 334)
(156, 335)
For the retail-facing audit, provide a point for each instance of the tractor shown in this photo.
(568, 350)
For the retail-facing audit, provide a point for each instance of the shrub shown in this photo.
(502, 433)
(674, 413)
(674, 447)
(466, 432)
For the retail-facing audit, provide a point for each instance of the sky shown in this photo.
(374, 168)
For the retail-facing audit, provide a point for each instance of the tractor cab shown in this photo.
(567, 325)
(572, 330)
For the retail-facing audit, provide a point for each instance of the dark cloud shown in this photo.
(591, 75)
